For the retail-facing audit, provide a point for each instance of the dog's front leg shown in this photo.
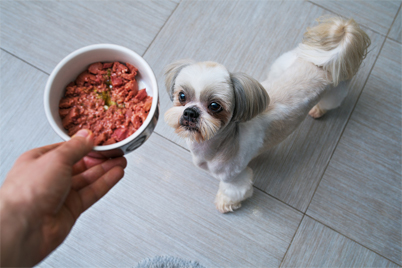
(232, 192)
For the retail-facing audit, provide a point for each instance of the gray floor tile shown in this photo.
(360, 194)
(396, 30)
(23, 124)
(315, 245)
(44, 32)
(377, 15)
(165, 207)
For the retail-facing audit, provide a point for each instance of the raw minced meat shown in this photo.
(105, 99)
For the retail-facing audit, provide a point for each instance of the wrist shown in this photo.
(13, 227)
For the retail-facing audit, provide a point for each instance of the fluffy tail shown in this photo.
(337, 45)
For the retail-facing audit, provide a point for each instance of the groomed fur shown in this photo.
(337, 45)
(251, 98)
(172, 71)
(257, 116)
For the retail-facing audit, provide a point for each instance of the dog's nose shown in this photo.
(190, 114)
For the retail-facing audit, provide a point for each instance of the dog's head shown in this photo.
(206, 98)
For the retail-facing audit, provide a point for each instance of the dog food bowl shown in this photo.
(77, 62)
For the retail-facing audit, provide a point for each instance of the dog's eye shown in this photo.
(215, 107)
(182, 97)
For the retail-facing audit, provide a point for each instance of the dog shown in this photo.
(228, 119)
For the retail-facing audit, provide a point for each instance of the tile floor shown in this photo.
(328, 196)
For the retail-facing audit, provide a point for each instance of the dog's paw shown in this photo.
(224, 205)
(316, 112)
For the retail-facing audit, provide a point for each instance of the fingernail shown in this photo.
(83, 133)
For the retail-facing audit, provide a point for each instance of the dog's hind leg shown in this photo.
(231, 193)
(330, 100)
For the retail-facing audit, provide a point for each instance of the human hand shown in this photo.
(46, 191)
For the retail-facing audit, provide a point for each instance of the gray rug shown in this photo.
(167, 262)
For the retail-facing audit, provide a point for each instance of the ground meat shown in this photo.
(105, 99)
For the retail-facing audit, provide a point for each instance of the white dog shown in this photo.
(230, 118)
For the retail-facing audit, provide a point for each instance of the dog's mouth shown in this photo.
(189, 125)
(191, 129)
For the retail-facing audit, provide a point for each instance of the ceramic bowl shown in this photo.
(77, 62)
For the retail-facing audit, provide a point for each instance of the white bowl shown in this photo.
(77, 62)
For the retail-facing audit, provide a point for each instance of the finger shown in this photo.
(77, 147)
(74, 205)
(91, 161)
(91, 175)
(95, 191)
(68, 214)
(86, 163)
(37, 152)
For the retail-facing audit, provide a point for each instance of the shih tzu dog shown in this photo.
(230, 118)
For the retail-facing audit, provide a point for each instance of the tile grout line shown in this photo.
(153, 40)
(346, 124)
(160, 135)
(277, 199)
(392, 24)
(265, 193)
(351, 239)
(142, 54)
(24, 61)
(365, 83)
(354, 107)
(291, 241)
(309, 1)
(337, 143)
(259, 189)
(396, 41)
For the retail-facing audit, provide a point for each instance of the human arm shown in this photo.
(45, 192)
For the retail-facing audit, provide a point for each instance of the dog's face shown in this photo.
(206, 98)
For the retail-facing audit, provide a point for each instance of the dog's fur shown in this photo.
(255, 116)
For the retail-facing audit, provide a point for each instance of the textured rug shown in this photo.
(167, 262)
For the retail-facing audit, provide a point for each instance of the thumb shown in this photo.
(76, 148)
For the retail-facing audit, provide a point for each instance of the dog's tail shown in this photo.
(337, 45)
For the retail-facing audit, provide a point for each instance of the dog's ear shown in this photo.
(172, 71)
(251, 98)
